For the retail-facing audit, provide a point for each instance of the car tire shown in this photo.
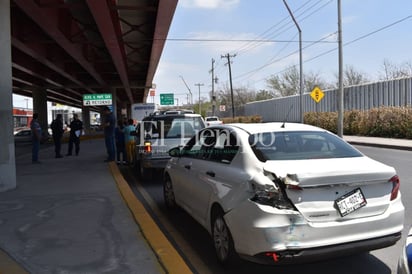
(222, 240)
(168, 193)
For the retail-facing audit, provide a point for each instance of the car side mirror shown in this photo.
(175, 152)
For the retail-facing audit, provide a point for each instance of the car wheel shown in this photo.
(168, 193)
(222, 240)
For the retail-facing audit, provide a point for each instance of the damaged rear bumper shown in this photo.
(268, 235)
(322, 253)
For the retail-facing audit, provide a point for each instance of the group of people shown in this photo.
(120, 143)
(76, 129)
(119, 140)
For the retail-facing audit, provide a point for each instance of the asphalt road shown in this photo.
(195, 244)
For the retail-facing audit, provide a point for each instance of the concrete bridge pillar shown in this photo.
(7, 154)
(40, 107)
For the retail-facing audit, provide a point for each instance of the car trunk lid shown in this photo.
(315, 186)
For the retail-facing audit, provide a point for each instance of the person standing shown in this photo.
(129, 141)
(57, 130)
(109, 125)
(120, 143)
(36, 136)
(76, 128)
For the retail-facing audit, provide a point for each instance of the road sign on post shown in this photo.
(317, 94)
(104, 99)
(167, 99)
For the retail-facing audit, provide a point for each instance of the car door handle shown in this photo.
(210, 173)
(188, 166)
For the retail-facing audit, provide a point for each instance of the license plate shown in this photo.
(350, 202)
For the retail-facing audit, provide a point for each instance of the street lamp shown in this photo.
(300, 61)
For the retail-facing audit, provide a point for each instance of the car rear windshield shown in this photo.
(300, 145)
(171, 127)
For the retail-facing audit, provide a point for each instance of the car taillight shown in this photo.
(395, 187)
(147, 147)
(269, 190)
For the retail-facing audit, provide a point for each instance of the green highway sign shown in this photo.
(104, 99)
(167, 99)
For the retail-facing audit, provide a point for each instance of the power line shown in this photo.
(256, 42)
(271, 61)
(238, 40)
(265, 33)
(288, 42)
(363, 37)
(331, 50)
(281, 29)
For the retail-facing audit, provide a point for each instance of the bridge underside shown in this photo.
(73, 47)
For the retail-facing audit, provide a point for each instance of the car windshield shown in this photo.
(172, 127)
(300, 145)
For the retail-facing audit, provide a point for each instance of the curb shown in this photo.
(9, 265)
(166, 253)
(369, 144)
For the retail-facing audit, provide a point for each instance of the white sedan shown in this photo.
(281, 193)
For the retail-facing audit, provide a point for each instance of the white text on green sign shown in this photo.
(167, 99)
(104, 99)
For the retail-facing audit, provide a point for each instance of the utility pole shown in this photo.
(300, 62)
(199, 85)
(214, 80)
(228, 56)
(340, 91)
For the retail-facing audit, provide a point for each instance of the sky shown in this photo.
(264, 41)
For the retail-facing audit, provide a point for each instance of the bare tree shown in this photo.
(241, 96)
(352, 77)
(288, 82)
(392, 71)
(263, 94)
(312, 79)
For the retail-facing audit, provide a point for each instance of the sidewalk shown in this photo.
(403, 144)
(68, 216)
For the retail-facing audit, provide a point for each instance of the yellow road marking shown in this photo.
(8, 265)
(167, 254)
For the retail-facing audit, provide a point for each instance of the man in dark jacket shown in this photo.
(76, 128)
(109, 125)
(57, 129)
